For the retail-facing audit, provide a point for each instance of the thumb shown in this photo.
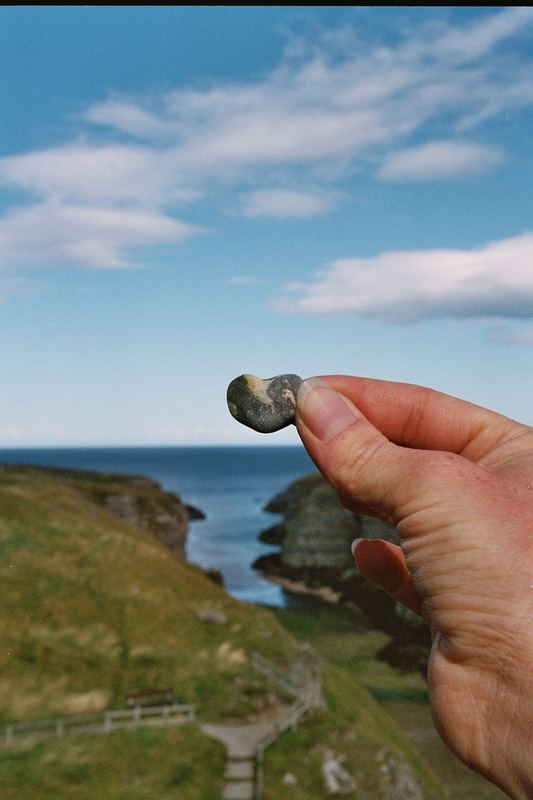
(353, 455)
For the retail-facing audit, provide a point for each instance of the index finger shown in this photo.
(415, 416)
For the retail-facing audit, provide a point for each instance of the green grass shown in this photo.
(143, 765)
(357, 732)
(93, 609)
(343, 640)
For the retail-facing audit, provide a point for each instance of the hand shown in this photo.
(457, 481)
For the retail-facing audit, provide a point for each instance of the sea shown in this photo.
(230, 485)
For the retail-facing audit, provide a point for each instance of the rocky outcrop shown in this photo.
(135, 499)
(151, 509)
(315, 535)
(317, 530)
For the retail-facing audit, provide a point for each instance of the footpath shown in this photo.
(245, 744)
(242, 744)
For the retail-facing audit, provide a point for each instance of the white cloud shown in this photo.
(406, 286)
(284, 203)
(51, 233)
(476, 39)
(319, 106)
(116, 173)
(440, 160)
(129, 118)
(326, 111)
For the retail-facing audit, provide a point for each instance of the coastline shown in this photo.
(325, 593)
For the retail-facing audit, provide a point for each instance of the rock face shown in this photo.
(138, 501)
(315, 535)
(317, 530)
(151, 509)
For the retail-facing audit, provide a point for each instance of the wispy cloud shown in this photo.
(329, 108)
(440, 160)
(406, 286)
(106, 174)
(284, 203)
(243, 280)
(52, 233)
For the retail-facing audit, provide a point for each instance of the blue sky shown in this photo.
(190, 193)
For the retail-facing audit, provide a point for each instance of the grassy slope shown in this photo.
(141, 765)
(92, 609)
(335, 633)
(357, 732)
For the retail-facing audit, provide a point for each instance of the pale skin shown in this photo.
(457, 482)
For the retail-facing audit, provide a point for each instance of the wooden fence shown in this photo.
(306, 686)
(104, 722)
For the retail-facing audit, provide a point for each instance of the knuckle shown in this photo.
(356, 466)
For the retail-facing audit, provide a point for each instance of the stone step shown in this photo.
(241, 790)
(239, 770)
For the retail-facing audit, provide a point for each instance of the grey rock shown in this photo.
(264, 404)
(335, 778)
(212, 615)
(396, 778)
(316, 530)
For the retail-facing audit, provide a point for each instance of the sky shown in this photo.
(192, 193)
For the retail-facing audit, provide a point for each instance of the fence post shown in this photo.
(60, 728)
(9, 734)
(258, 774)
(137, 714)
(107, 722)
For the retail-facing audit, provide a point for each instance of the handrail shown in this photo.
(103, 722)
(307, 694)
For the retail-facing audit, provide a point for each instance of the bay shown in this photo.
(231, 485)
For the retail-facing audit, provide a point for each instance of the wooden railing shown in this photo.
(104, 722)
(308, 693)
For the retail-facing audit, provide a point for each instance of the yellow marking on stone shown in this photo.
(257, 388)
(288, 394)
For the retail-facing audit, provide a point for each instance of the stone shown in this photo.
(264, 404)
(289, 779)
(212, 615)
(335, 778)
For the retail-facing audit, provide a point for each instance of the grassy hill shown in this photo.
(349, 645)
(93, 608)
(147, 764)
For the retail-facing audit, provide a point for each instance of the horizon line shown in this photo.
(199, 445)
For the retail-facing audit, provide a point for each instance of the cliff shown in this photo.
(136, 500)
(315, 535)
(94, 607)
(317, 530)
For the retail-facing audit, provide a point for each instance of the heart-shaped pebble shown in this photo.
(264, 404)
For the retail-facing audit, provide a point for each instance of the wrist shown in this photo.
(482, 706)
(509, 735)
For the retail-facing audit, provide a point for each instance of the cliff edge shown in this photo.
(136, 500)
(314, 536)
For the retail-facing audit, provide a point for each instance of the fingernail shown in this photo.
(324, 411)
(354, 545)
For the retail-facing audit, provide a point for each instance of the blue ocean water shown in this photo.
(231, 485)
